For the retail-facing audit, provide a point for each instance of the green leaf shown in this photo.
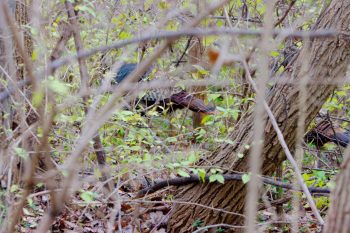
(212, 179)
(201, 174)
(331, 185)
(56, 86)
(201, 70)
(35, 55)
(14, 188)
(84, 8)
(320, 174)
(87, 196)
(197, 223)
(207, 120)
(30, 202)
(64, 173)
(245, 178)
(171, 139)
(26, 211)
(135, 148)
(213, 96)
(217, 177)
(220, 178)
(215, 170)
(182, 173)
(192, 158)
(21, 152)
(124, 35)
(240, 155)
(274, 53)
(38, 96)
(221, 109)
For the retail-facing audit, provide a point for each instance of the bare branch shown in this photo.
(182, 181)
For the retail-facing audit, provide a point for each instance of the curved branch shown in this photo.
(182, 181)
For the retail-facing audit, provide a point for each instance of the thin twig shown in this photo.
(259, 122)
(280, 20)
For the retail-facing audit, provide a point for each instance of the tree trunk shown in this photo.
(338, 214)
(328, 60)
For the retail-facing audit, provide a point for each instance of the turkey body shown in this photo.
(325, 132)
(172, 98)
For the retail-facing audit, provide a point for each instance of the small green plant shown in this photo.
(197, 223)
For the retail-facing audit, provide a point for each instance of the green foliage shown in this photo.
(200, 172)
(162, 145)
(198, 223)
(216, 176)
(245, 178)
(21, 152)
(316, 178)
(87, 196)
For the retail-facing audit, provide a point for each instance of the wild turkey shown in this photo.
(165, 98)
(325, 132)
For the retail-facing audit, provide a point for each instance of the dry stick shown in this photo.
(72, 17)
(280, 20)
(56, 53)
(95, 120)
(259, 123)
(254, 165)
(286, 149)
(181, 181)
(184, 52)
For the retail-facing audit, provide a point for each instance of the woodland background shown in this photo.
(77, 155)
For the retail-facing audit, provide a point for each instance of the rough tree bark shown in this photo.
(338, 215)
(328, 61)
